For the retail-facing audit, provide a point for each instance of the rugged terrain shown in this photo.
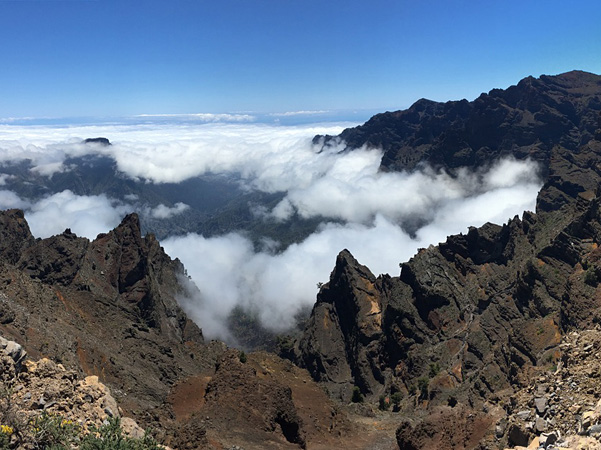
(107, 309)
(466, 348)
(470, 321)
(525, 120)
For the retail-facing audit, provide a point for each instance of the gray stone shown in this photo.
(547, 439)
(14, 350)
(499, 431)
(541, 405)
(540, 425)
(595, 430)
(524, 415)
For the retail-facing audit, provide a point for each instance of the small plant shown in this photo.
(110, 437)
(51, 431)
(434, 370)
(422, 384)
(357, 395)
(396, 399)
(383, 403)
(243, 358)
(5, 436)
(590, 276)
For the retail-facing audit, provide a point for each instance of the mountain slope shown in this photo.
(525, 120)
(471, 320)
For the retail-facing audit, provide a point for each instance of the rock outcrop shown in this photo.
(526, 120)
(36, 394)
(107, 307)
(104, 314)
(467, 323)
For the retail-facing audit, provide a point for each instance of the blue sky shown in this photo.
(120, 57)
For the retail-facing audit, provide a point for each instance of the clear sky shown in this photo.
(121, 57)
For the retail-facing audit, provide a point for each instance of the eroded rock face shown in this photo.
(469, 321)
(470, 316)
(344, 330)
(445, 429)
(104, 313)
(107, 307)
(526, 120)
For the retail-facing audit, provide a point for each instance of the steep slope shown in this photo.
(469, 321)
(108, 306)
(526, 120)
(108, 309)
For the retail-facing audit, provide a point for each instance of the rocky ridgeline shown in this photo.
(29, 389)
(562, 406)
(525, 120)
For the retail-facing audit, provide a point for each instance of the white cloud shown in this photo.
(85, 215)
(279, 285)
(203, 117)
(299, 113)
(345, 187)
(4, 178)
(9, 200)
(165, 212)
(261, 154)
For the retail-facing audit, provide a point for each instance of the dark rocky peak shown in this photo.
(475, 315)
(15, 235)
(99, 140)
(107, 307)
(525, 121)
(343, 329)
(57, 259)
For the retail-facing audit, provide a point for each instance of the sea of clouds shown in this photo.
(381, 217)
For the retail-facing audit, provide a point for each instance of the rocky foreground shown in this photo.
(561, 408)
(41, 400)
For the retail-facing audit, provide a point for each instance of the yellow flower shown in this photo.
(5, 429)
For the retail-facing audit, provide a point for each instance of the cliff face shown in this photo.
(107, 309)
(526, 120)
(469, 321)
(107, 306)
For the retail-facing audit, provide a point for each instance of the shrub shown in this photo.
(422, 384)
(383, 403)
(5, 436)
(51, 431)
(396, 399)
(590, 276)
(243, 357)
(110, 437)
(357, 395)
(434, 369)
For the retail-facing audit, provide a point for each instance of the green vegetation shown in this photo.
(243, 357)
(357, 395)
(434, 370)
(590, 276)
(396, 399)
(110, 437)
(422, 384)
(53, 432)
(383, 403)
(50, 431)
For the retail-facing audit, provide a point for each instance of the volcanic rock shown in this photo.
(469, 322)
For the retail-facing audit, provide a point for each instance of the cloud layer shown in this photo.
(361, 209)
